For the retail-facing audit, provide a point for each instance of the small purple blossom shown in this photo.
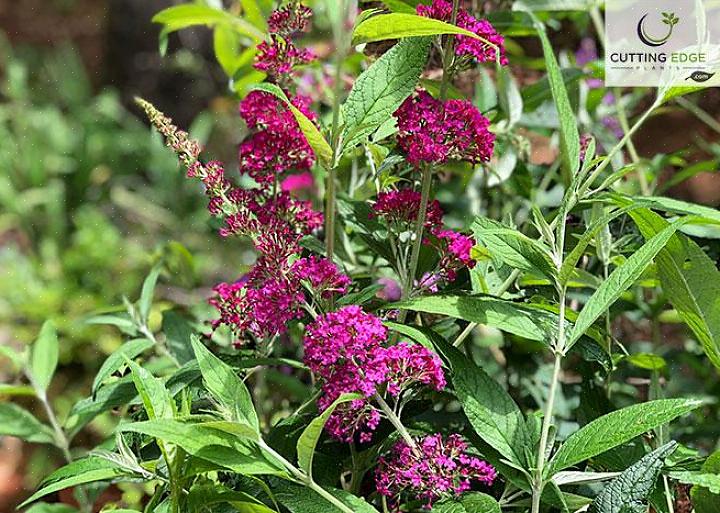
(478, 49)
(431, 131)
(297, 183)
(455, 252)
(438, 468)
(324, 277)
(290, 20)
(410, 364)
(279, 56)
(276, 143)
(391, 290)
(399, 209)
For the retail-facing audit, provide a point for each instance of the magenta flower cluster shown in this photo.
(400, 208)
(436, 468)
(276, 143)
(478, 49)
(431, 131)
(279, 55)
(347, 352)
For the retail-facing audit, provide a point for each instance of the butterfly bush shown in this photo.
(437, 467)
(347, 348)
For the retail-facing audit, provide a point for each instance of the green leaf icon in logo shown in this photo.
(668, 18)
(700, 76)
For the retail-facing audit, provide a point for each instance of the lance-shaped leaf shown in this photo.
(16, 421)
(691, 281)
(510, 247)
(187, 15)
(616, 428)
(629, 490)
(86, 470)
(569, 136)
(226, 387)
(44, 357)
(494, 415)
(300, 499)
(516, 318)
(380, 90)
(155, 397)
(309, 438)
(399, 25)
(315, 139)
(207, 442)
(620, 280)
(130, 350)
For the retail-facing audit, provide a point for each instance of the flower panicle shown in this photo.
(187, 149)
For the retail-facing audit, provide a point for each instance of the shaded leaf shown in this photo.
(16, 421)
(112, 363)
(628, 491)
(226, 387)
(616, 428)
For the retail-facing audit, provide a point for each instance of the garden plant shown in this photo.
(431, 321)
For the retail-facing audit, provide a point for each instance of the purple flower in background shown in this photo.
(391, 290)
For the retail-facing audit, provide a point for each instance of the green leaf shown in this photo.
(16, 421)
(489, 408)
(44, 357)
(647, 361)
(178, 332)
(629, 490)
(537, 93)
(620, 280)
(202, 496)
(380, 90)
(16, 390)
(512, 248)
(254, 13)
(44, 507)
(112, 363)
(569, 136)
(690, 280)
(155, 397)
(227, 47)
(148, 290)
(421, 335)
(568, 266)
(182, 16)
(400, 6)
(700, 479)
(704, 500)
(616, 428)
(211, 444)
(226, 387)
(516, 318)
(86, 470)
(311, 434)
(401, 25)
(299, 499)
(315, 139)
(471, 502)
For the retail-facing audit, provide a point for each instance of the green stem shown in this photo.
(305, 479)
(698, 113)
(395, 420)
(417, 238)
(447, 55)
(61, 441)
(559, 352)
